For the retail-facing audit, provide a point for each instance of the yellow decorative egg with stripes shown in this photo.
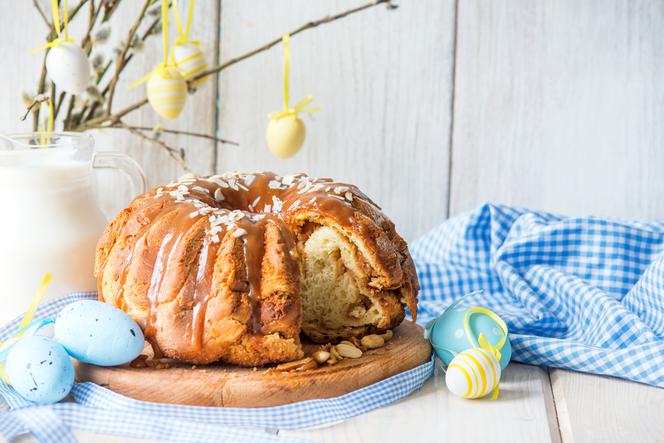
(167, 92)
(473, 373)
(189, 60)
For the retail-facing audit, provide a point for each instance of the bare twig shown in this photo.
(172, 152)
(309, 25)
(41, 88)
(108, 11)
(41, 12)
(123, 53)
(70, 110)
(328, 19)
(173, 131)
(37, 100)
(95, 122)
(57, 105)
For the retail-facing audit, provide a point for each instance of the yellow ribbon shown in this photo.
(300, 106)
(482, 341)
(27, 319)
(161, 67)
(45, 125)
(55, 10)
(183, 33)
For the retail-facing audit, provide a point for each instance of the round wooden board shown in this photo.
(231, 386)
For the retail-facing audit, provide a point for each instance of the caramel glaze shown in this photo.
(248, 203)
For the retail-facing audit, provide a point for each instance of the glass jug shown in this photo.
(49, 217)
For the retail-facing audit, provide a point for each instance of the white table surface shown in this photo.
(535, 405)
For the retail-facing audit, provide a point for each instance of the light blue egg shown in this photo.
(448, 336)
(40, 369)
(100, 334)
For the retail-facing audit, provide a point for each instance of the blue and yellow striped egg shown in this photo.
(473, 373)
(189, 60)
(167, 92)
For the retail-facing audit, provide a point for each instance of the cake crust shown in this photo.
(212, 267)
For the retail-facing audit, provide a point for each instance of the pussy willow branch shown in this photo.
(85, 118)
(276, 41)
(97, 121)
(123, 53)
(173, 131)
(172, 152)
(94, 106)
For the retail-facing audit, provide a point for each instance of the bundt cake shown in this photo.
(234, 267)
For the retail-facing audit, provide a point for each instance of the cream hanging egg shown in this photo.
(285, 135)
(189, 60)
(167, 92)
(473, 373)
(68, 67)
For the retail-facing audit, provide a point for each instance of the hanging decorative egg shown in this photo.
(285, 135)
(189, 60)
(473, 373)
(448, 336)
(68, 67)
(40, 369)
(167, 92)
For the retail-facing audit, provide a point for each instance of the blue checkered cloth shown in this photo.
(577, 293)
(96, 409)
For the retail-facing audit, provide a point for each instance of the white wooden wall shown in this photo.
(432, 109)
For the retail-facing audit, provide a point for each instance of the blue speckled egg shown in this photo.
(448, 337)
(100, 334)
(40, 369)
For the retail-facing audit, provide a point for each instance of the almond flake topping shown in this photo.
(218, 195)
(239, 232)
(276, 204)
(200, 189)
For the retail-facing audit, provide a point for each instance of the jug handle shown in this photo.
(124, 164)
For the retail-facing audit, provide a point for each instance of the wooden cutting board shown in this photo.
(231, 386)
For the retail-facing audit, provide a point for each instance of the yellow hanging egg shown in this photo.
(473, 373)
(189, 60)
(167, 92)
(285, 135)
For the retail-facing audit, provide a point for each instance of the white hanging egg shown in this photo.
(189, 60)
(167, 92)
(285, 135)
(68, 67)
(473, 373)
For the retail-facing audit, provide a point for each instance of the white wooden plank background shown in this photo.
(558, 106)
(555, 105)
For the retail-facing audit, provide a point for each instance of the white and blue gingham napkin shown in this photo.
(96, 409)
(577, 293)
